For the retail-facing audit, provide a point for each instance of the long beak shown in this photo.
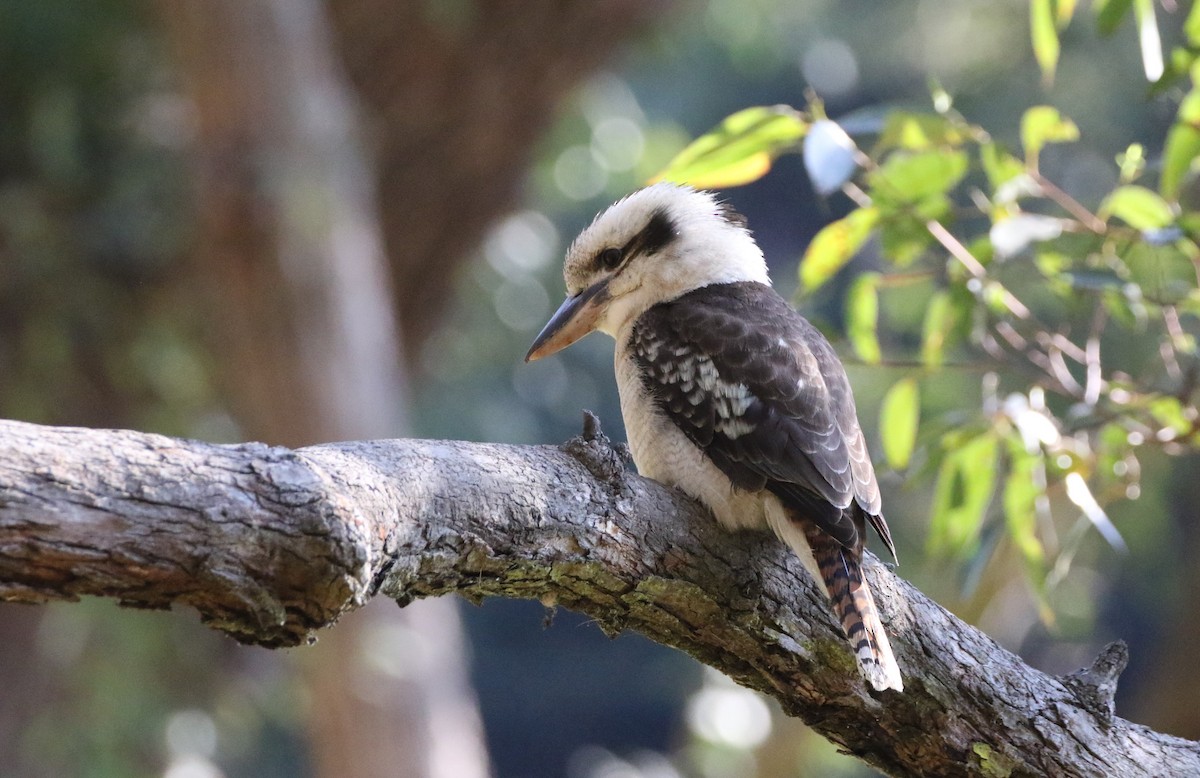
(576, 317)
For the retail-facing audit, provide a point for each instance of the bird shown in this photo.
(728, 393)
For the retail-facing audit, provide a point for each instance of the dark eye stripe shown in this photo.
(658, 233)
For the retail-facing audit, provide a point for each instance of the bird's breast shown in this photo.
(661, 451)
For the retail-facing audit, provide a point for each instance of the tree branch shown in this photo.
(270, 544)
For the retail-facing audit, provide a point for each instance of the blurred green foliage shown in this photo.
(1028, 286)
(98, 327)
(93, 220)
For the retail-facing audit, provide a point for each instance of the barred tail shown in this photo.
(840, 570)
(854, 606)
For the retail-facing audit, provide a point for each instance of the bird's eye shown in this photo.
(610, 258)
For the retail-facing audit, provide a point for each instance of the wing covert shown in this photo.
(762, 392)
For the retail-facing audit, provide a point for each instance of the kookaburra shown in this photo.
(727, 393)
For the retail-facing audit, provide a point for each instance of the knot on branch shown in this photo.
(592, 448)
(1096, 686)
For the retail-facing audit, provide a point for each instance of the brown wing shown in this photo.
(762, 392)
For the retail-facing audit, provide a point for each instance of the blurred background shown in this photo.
(299, 221)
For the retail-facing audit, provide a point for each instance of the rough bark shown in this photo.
(270, 544)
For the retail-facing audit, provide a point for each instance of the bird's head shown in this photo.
(653, 246)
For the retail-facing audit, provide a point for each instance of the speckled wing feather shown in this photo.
(762, 392)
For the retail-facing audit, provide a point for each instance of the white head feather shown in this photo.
(709, 245)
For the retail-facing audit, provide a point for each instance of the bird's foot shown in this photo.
(596, 452)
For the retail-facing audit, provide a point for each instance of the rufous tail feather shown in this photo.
(854, 607)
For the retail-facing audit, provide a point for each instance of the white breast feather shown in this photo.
(661, 451)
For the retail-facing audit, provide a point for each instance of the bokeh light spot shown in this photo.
(830, 67)
(578, 175)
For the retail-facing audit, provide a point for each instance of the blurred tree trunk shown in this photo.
(456, 94)
(289, 244)
(30, 682)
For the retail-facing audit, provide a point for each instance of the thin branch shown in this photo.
(1063, 373)
(1095, 375)
(1045, 368)
(973, 266)
(1176, 334)
(1050, 361)
(1065, 345)
(1069, 204)
(270, 544)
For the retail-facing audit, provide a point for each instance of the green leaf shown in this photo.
(1126, 305)
(1179, 66)
(1109, 14)
(1163, 273)
(943, 319)
(1043, 124)
(1052, 263)
(1112, 446)
(999, 166)
(919, 132)
(1182, 147)
(738, 150)
(834, 245)
(908, 177)
(981, 248)
(993, 296)
(904, 240)
(898, 420)
(1044, 33)
(862, 317)
(934, 328)
(1170, 412)
(1024, 487)
(1132, 162)
(1191, 27)
(966, 481)
(1063, 13)
(1138, 207)
(1021, 493)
